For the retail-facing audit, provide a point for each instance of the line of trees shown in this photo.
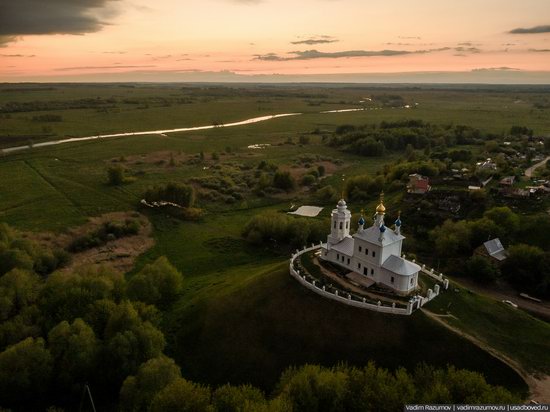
(178, 193)
(159, 386)
(281, 230)
(376, 140)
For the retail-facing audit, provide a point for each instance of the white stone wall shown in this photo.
(342, 297)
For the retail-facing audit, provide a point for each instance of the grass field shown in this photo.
(101, 109)
(241, 317)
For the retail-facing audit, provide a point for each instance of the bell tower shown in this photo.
(339, 223)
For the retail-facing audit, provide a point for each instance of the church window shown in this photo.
(342, 258)
(412, 281)
(348, 261)
(341, 225)
(359, 266)
(366, 251)
(360, 248)
(392, 279)
(347, 225)
(335, 224)
(372, 272)
(365, 271)
(373, 253)
(338, 256)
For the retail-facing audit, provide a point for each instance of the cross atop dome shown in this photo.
(381, 209)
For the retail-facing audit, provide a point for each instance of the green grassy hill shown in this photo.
(253, 322)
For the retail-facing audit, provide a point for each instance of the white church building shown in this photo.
(372, 254)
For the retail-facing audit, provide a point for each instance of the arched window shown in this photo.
(341, 225)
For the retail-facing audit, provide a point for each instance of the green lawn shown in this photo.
(511, 331)
(250, 323)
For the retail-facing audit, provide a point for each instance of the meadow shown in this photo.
(241, 318)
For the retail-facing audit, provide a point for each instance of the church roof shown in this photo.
(372, 234)
(400, 266)
(345, 246)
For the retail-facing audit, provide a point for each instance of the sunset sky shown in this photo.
(62, 40)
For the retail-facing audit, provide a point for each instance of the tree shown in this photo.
(138, 391)
(67, 296)
(182, 396)
(156, 283)
(504, 217)
(130, 341)
(481, 269)
(327, 194)
(229, 398)
(308, 180)
(522, 267)
(321, 170)
(25, 368)
(74, 349)
(18, 289)
(284, 181)
(115, 175)
(14, 259)
(451, 238)
(312, 388)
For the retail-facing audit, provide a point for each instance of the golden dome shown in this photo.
(381, 208)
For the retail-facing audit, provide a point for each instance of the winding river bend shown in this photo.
(159, 132)
(163, 132)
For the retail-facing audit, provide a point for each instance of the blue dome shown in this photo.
(382, 228)
(398, 222)
(362, 221)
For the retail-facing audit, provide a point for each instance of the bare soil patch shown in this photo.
(119, 254)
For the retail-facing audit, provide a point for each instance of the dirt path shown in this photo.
(529, 171)
(539, 386)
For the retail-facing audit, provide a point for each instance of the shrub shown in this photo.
(308, 180)
(116, 175)
(284, 181)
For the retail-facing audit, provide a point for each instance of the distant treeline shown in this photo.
(376, 140)
(37, 106)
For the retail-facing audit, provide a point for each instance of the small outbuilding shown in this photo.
(493, 249)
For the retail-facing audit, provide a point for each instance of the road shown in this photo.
(529, 171)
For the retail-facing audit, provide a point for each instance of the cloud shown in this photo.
(115, 52)
(316, 40)
(540, 50)
(17, 55)
(315, 54)
(496, 69)
(469, 44)
(66, 69)
(29, 17)
(531, 30)
(473, 50)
